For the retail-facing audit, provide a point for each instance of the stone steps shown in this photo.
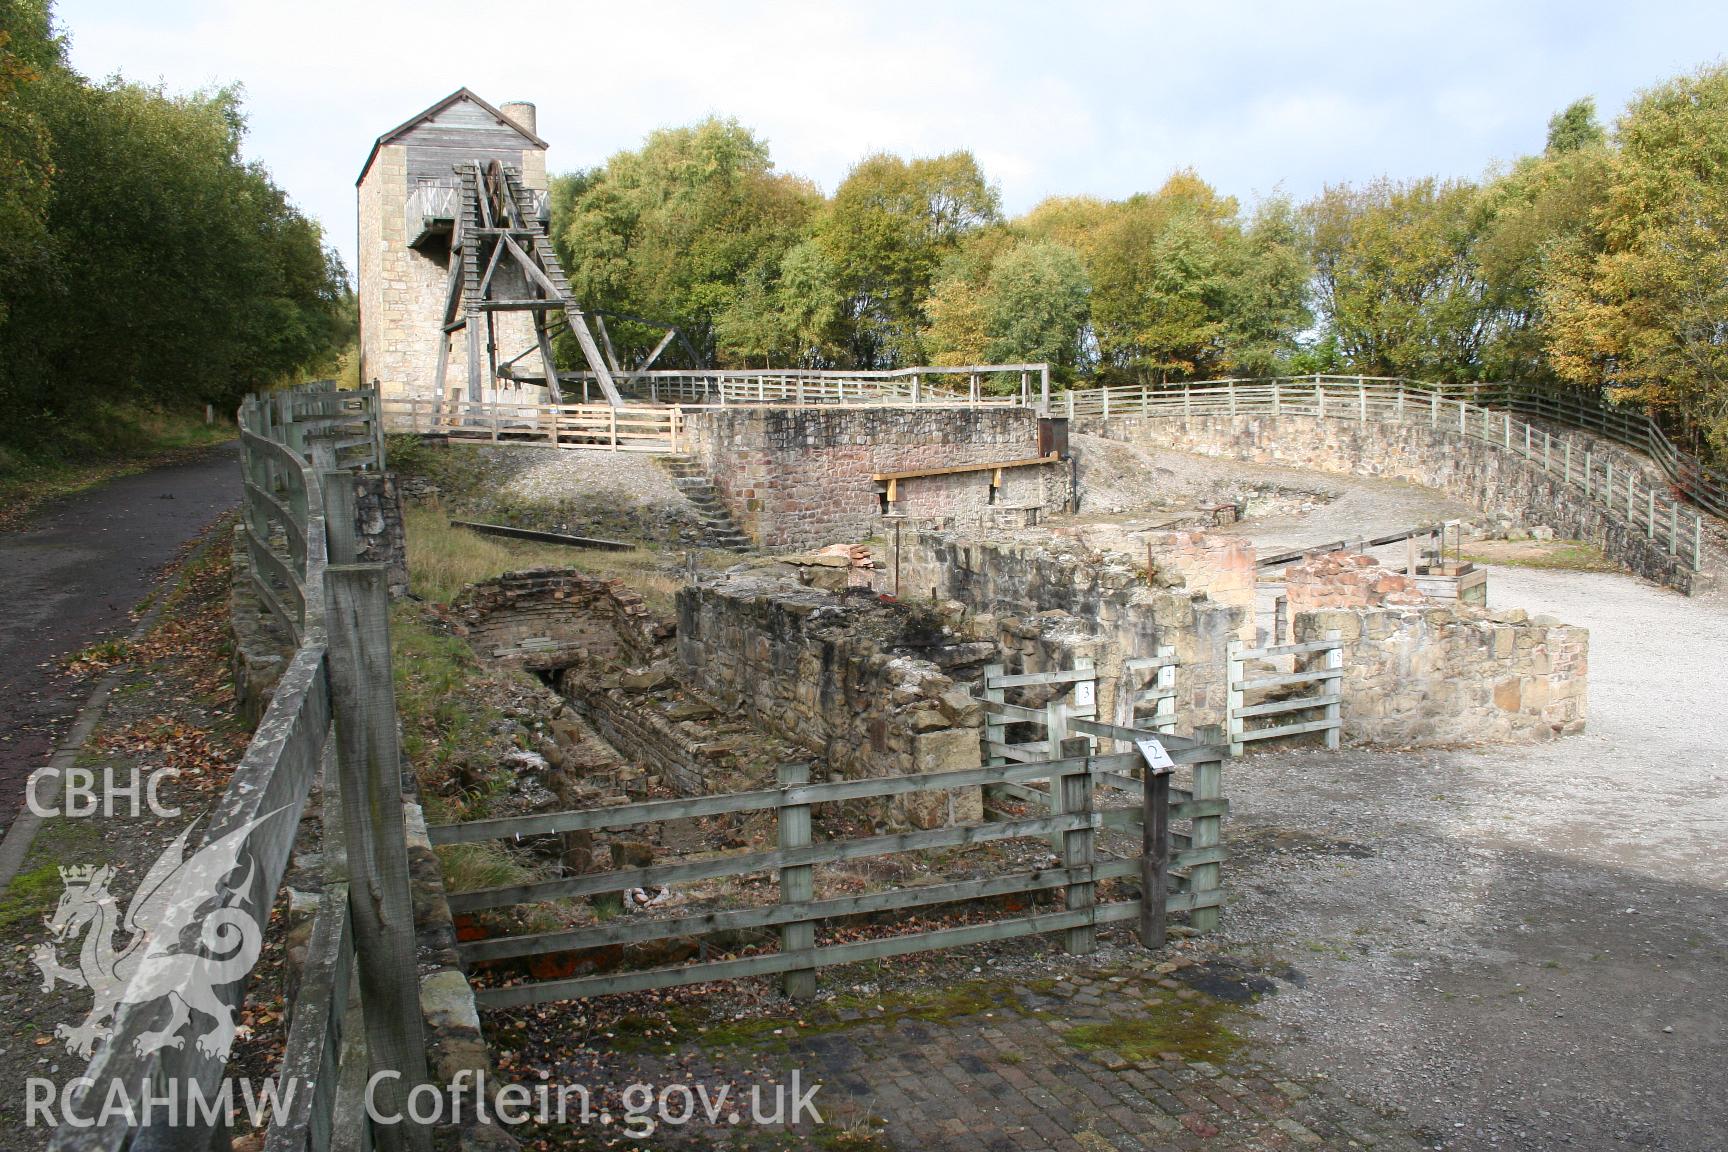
(718, 530)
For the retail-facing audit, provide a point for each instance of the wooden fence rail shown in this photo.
(292, 444)
(797, 914)
(1459, 410)
(1325, 683)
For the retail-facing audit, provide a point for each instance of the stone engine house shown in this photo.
(409, 197)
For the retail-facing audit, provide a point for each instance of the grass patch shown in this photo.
(1566, 555)
(1193, 1029)
(446, 721)
(109, 441)
(442, 560)
(36, 889)
(467, 867)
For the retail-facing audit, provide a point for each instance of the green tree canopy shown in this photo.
(885, 234)
(679, 231)
(1575, 127)
(1396, 277)
(1639, 299)
(142, 258)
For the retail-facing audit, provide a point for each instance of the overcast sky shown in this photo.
(1100, 98)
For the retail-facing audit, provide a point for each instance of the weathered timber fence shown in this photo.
(1248, 671)
(798, 915)
(1026, 384)
(331, 713)
(1696, 481)
(1453, 410)
(655, 422)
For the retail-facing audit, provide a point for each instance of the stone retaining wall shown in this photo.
(1049, 601)
(1497, 481)
(1444, 675)
(654, 740)
(586, 619)
(1348, 580)
(378, 528)
(801, 477)
(822, 670)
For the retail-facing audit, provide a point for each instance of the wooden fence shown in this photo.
(331, 713)
(1658, 513)
(1696, 481)
(1253, 670)
(517, 415)
(1025, 384)
(797, 915)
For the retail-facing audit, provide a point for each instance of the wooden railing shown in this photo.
(797, 914)
(1251, 670)
(1657, 513)
(1696, 481)
(288, 441)
(331, 713)
(1027, 385)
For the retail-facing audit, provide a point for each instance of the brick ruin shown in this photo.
(806, 477)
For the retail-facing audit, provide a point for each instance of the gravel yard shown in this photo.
(1523, 946)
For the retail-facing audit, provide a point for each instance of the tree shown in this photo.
(1396, 278)
(886, 233)
(1575, 127)
(1527, 215)
(1268, 295)
(676, 231)
(170, 270)
(1037, 305)
(1163, 268)
(28, 50)
(1640, 299)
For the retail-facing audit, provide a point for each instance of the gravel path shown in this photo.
(1524, 946)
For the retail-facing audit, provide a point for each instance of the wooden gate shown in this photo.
(1255, 677)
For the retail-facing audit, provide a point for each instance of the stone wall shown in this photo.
(1492, 479)
(832, 672)
(1443, 675)
(1348, 580)
(801, 477)
(401, 290)
(379, 533)
(580, 618)
(1050, 600)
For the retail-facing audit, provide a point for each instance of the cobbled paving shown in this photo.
(1028, 1075)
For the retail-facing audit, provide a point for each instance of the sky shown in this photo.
(1099, 98)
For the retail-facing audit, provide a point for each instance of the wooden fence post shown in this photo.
(1206, 832)
(1334, 687)
(363, 703)
(1164, 712)
(1055, 735)
(1233, 678)
(1154, 855)
(1075, 788)
(797, 884)
(341, 542)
